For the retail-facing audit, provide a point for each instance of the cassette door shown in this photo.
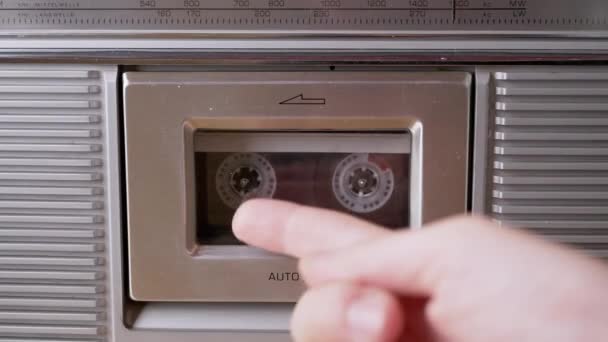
(389, 147)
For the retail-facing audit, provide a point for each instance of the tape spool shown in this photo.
(243, 176)
(361, 185)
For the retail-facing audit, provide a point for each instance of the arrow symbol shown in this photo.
(301, 100)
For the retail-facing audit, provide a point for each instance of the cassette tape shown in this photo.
(363, 174)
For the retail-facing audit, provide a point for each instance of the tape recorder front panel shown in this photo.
(397, 145)
(199, 144)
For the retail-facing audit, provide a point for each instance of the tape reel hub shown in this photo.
(363, 181)
(242, 176)
(245, 180)
(362, 185)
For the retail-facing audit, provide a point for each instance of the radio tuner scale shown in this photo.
(292, 18)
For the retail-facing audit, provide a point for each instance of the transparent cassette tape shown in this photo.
(362, 174)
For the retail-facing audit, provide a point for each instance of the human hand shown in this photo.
(459, 280)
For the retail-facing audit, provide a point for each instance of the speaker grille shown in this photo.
(550, 157)
(52, 204)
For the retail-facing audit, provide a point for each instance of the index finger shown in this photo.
(299, 230)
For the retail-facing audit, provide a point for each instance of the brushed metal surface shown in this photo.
(548, 170)
(162, 111)
(53, 269)
(305, 17)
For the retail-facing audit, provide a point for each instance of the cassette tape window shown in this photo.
(363, 174)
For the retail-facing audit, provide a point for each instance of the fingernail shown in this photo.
(366, 317)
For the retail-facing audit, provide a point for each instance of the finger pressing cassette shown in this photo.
(323, 170)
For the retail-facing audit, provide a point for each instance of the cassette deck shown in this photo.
(359, 151)
(131, 130)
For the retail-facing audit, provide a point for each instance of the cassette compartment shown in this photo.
(359, 173)
(171, 117)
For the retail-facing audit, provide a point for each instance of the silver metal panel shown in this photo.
(311, 142)
(550, 136)
(597, 239)
(563, 195)
(53, 340)
(531, 150)
(50, 290)
(305, 17)
(38, 317)
(171, 106)
(548, 129)
(49, 205)
(47, 133)
(49, 261)
(40, 220)
(22, 74)
(535, 90)
(218, 317)
(53, 270)
(20, 276)
(552, 76)
(39, 176)
(19, 147)
(47, 190)
(547, 210)
(298, 51)
(556, 224)
(49, 104)
(564, 106)
(51, 303)
(551, 121)
(50, 162)
(556, 166)
(50, 330)
(50, 118)
(33, 89)
(50, 233)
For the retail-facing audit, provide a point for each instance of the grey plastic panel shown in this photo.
(53, 260)
(547, 161)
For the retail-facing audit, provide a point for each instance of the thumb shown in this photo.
(347, 312)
